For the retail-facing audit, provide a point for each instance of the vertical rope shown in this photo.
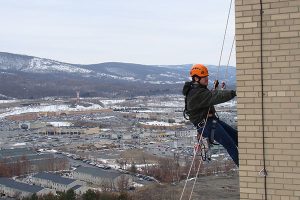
(187, 178)
(200, 163)
(226, 73)
(263, 172)
(224, 39)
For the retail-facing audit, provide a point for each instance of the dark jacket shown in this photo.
(199, 99)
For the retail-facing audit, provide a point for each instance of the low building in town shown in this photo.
(104, 178)
(58, 183)
(160, 125)
(185, 133)
(52, 130)
(14, 189)
(27, 160)
(142, 115)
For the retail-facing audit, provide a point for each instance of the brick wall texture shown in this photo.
(281, 77)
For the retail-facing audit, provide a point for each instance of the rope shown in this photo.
(224, 39)
(187, 178)
(206, 116)
(200, 163)
(229, 59)
(262, 172)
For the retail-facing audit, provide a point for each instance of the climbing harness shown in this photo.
(202, 148)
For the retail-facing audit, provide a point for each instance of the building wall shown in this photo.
(101, 181)
(89, 178)
(12, 192)
(281, 77)
(46, 191)
(53, 185)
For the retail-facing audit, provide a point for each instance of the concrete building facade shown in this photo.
(268, 88)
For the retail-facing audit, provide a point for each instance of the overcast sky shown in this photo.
(135, 31)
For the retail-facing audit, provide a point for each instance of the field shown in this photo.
(206, 188)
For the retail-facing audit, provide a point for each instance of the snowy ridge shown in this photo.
(46, 66)
(31, 64)
(116, 77)
(119, 72)
(46, 108)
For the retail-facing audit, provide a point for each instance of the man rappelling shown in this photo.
(199, 106)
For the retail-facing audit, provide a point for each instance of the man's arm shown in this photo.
(221, 96)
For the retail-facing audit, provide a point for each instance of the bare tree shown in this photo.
(25, 164)
(4, 169)
(123, 183)
(107, 185)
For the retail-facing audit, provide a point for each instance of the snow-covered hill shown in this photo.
(15, 62)
(28, 76)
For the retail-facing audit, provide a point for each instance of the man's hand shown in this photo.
(223, 85)
(233, 93)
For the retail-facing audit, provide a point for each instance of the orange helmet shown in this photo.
(199, 70)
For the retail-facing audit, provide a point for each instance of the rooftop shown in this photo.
(97, 172)
(20, 186)
(76, 187)
(54, 178)
(16, 152)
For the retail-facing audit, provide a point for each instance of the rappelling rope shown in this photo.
(201, 137)
(229, 59)
(200, 163)
(224, 39)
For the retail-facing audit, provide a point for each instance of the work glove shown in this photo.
(216, 84)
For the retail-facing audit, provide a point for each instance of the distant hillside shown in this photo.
(32, 77)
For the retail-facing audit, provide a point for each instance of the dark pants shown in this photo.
(225, 135)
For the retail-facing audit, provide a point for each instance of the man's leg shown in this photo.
(231, 131)
(223, 137)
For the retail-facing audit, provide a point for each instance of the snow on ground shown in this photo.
(47, 150)
(106, 117)
(217, 155)
(175, 104)
(150, 111)
(8, 101)
(135, 184)
(105, 129)
(105, 161)
(157, 123)
(111, 102)
(60, 124)
(46, 108)
(19, 144)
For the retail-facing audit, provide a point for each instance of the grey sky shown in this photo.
(136, 31)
